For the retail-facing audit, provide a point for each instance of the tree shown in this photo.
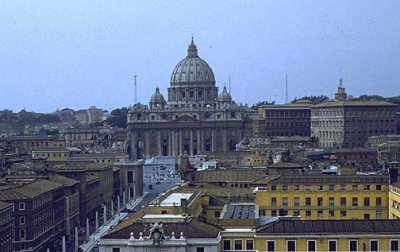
(118, 117)
(256, 105)
(313, 99)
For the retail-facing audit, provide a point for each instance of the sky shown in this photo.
(58, 54)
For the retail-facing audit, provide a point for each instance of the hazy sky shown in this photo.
(75, 54)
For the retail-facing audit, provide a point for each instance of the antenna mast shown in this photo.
(135, 90)
(287, 91)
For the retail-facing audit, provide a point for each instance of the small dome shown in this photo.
(157, 97)
(192, 69)
(224, 96)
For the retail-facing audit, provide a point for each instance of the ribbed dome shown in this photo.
(224, 96)
(192, 69)
(157, 97)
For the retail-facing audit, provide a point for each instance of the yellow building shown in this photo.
(394, 201)
(325, 196)
(328, 235)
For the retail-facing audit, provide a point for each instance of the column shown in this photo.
(87, 228)
(105, 214)
(112, 209)
(134, 144)
(170, 153)
(191, 142)
(63, 244)
(118, 204)
(180, 143)
(199, 141)
(213, 140)
(175, 142)
(76, 239)
(224, 138)
(124, 199)
(97, 221)
(147, 143)
(159, 143)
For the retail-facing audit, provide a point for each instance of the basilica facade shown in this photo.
(194, 119)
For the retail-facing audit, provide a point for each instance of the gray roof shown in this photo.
(353, 103)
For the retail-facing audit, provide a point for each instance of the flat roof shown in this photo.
(175, 199)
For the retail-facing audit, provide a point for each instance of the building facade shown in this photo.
(293, 119)
(346, 123)
(193, 120)
(325, 197)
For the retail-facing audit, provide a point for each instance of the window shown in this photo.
(249, 244)
(22, 234)
(394, 245)
(353, 245)
(331, 187)
(217, 214)
(115, 250)
(290, 245)
(271, 246)
(296, 213)
(320, 201)
(366, 217)
(238, 244)
(373, 245)
(227, 244)
(22, 220)
(311, 245)
(343, 187)
(308, 188)
(354, 187)
(354, 201)
(284, 188)
(366, 187)
(331, 201)
(22, 206)
(273, 212)
(308, 213)
(320, 213)
(343, 213)
(331, 213)
(320, 187)
(378, 201)
(366, 201)
(332, 245)
(284, 201)
(308, 201)
(198, 249)
(378, 213)
(342, 201)
(273, 187)
(273, 201)
(296, 201)
(297, 187)
(378, 187)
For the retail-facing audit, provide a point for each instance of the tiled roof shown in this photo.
(354, 103)
(330, 227)
(63, 180)
(4, 205)
(232, 175)
(191, 228)
(38, 187)
(29, 190)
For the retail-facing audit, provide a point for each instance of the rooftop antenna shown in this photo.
(230, 85)
(287, 91)
(135, 90)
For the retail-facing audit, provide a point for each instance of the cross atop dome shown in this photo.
(192, 50)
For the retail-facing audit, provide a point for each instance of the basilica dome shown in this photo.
(192, 70)
(157, 97)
